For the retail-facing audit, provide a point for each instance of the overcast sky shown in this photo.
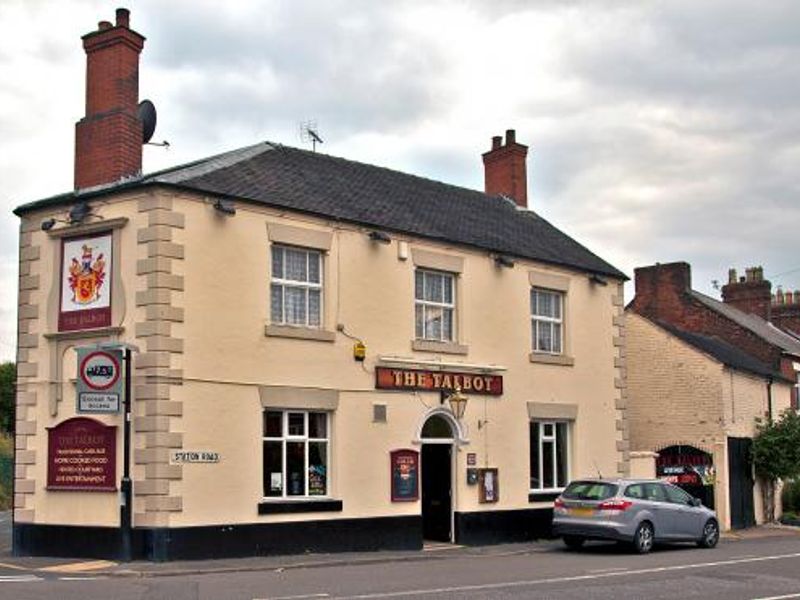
(659, 131)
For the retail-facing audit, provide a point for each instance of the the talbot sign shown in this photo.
(413, 379)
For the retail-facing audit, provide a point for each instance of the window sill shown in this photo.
(441, 347)
(282, 506)
(299, 333)
(551, 359)
(544, 496)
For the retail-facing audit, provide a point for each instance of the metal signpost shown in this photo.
(100, 385)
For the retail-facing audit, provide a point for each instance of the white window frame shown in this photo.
(538, 320)
(421, 302)
(286, 437)
(553, 439)
(280, 280)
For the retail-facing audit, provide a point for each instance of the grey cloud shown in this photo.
(348, 65)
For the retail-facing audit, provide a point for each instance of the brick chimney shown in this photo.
(108, 140)
(750, 294)
(661, 290)
(505, 170)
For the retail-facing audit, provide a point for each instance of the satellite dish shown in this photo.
(147, 115)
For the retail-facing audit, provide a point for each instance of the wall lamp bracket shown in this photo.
(79, 212)
(504, 261)
(380, 237)
(596, 279)
(48, 224)
(225, 207)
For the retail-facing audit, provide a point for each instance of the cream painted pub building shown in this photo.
(325, 354)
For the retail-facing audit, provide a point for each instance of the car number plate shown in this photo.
(581, 512)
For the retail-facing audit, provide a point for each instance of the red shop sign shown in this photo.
(82, 456)
(414, 379)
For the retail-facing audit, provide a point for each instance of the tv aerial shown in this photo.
(146, 112)
(309, 133)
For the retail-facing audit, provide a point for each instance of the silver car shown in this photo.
(639, 511)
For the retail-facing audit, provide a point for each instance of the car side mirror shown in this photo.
(695, 502)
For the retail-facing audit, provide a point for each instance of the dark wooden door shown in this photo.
(740, 482)
(436, 492)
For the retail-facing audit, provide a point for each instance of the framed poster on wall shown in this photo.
(405, 475)
(488, 486)
(81, 456)
(85, 282)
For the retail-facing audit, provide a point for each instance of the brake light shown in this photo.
(614, 504)
(558, 503)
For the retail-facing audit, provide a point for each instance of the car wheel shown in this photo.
(573, 542)
(710, 535)
(643, 538)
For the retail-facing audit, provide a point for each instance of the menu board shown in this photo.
(405, 475)
(82, 456)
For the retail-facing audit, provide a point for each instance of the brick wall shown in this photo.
(663, 295)
(675, 391)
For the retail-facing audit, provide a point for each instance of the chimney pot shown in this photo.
(123, 17)
(108, 140)
(505, 171)
(731, 275)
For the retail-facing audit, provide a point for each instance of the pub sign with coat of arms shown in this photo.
(85, 283)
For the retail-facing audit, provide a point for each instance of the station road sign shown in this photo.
(99, 380)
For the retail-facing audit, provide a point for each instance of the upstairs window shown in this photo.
(547, 321)
(296, 291)
(434, 305)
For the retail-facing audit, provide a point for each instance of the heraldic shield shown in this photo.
(86, 277)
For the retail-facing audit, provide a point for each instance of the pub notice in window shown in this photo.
(81, 456)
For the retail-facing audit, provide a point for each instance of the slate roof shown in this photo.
(327, 186)
(764, 329)
(723, 352)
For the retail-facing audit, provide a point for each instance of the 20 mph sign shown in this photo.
(99, 380)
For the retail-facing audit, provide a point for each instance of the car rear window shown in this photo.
(589, 490)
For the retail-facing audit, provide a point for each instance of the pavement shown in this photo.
(431, 552)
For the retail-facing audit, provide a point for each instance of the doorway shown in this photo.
(437, 479)
(740, 481)
(436, 492)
